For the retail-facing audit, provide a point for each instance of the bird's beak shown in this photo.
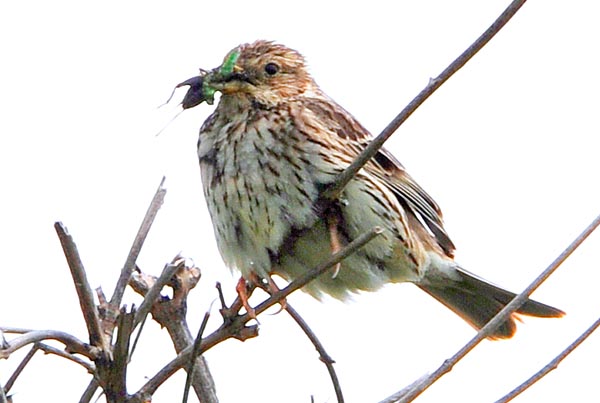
(229, 78)
(228, 81)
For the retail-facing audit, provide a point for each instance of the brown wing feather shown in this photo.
(426, 214)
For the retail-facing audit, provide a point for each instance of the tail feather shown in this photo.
(477, 302)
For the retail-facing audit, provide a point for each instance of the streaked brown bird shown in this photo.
(273, 144)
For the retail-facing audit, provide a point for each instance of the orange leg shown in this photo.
(244, 294)
(271, 289)
(335, 243)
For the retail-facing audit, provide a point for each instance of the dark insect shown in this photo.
(195, 94)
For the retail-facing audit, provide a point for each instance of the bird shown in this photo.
(273, 145)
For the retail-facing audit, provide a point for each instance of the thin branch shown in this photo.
(13, 378)
(323, 356)
(72, 343)
(196, 351)
(82, 286)
(551, 365)
(154, 291)
(3, 398)
(497, 320)
(18, 330)
(374, 146)
(61, 353)
(89, 391)
(155, 205)
(231, 328)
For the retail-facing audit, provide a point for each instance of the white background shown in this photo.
(508, 147)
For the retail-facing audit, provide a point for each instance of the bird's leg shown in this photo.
(272, 288)
(244, 289)
(334, 240)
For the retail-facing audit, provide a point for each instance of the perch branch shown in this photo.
(375, 145)
(551, 365)
(232, 328)
(82, 286)
(497, 320)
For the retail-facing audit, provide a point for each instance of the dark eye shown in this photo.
(271, 69)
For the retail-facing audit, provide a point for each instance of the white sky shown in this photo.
(508, 148)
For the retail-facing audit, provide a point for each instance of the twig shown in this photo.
(82, 286)
(3, 398)
(156, 288)
(89, 392)
(61, 353)
(323, 356)
(72, 343)
(369, 152)
(231, 328)
(497, 320)
(195, 353)
(551, 365)
(134, 252)
(13, 378)
(18, 330)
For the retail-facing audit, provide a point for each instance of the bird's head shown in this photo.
(262, 72)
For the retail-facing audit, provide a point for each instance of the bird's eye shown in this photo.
(271, 69)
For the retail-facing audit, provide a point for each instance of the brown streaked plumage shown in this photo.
(274, 142)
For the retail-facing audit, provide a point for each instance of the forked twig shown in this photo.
(375, 145)
(497, 320)
(551, 365)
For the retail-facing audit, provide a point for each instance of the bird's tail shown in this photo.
(477, 301)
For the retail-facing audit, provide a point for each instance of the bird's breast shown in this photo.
(259, 184)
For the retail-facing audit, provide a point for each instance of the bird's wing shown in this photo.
(385, 167)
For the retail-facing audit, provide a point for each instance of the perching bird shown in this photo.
(273, 144)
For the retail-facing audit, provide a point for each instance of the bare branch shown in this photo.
(89, 392)
(82, 286)
(195, 353)
(154, 291)
(61, 353)
(171, 315)
(155, 205)
(375, 145)
(323, 356)
(72, 343)
(18, 330)
(13, 378)
(232, 328)
(551, 365)
(498, 319)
